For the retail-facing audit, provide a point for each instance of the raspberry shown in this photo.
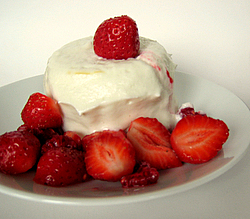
(144, 176)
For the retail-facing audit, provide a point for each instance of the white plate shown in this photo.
(216, 101)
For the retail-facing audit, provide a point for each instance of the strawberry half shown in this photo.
(41, 112)
(197, 139)
(109, 156)
(117, 38)
(151, 141)
(61, 167)
(19, 152)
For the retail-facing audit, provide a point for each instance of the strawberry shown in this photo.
(87, 138)
(151, 141)
(60, 141)
(117, 38)
(41, 112)
(77, 139)
(42, 134)
(109, 155)
(19, 152)
(61, 167)
(197, 139)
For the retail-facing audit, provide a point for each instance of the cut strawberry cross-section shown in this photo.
(109, 155)
(197, 139)
(151, 141)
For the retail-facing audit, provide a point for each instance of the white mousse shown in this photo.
(97, 94)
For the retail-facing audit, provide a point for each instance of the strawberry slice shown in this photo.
(151, 141)
(61, 166)
(42, 112)
(117, 38)
(19, 152)
(109, 155)
(197, 139)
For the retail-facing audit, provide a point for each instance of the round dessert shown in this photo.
(98, 94)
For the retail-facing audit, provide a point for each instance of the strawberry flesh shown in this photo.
(151, 141)
(109, 155)
(197, 139)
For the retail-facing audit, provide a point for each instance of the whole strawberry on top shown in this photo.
(41, 112)
(117, 38)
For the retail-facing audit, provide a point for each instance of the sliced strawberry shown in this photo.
(88, 138)
(151, 141)
(41, 112)
(109, 156)
(19, 152)
(61, 167)
(197, 139)
(117, 38)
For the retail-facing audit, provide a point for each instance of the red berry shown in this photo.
(19, 152)
(59, 141)
(61, 167)
(189, 111)
(109, 156)
(41, 112)
(117, 38)
(151, 141)
(42, 134)
(144, 176)
(197, 139)
(77, 139)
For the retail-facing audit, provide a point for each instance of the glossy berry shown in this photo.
(144, 176)
(77, 139)
(117, 38)
(42, 134)
(19, 152)
(60, 141)
(61, 167)
(42, 112)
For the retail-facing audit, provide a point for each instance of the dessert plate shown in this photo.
(215, 100)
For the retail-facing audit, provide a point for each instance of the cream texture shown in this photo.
(97, 94)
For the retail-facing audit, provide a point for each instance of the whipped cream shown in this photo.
(97, 94)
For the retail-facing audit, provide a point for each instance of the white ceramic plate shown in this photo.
(207, 96)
